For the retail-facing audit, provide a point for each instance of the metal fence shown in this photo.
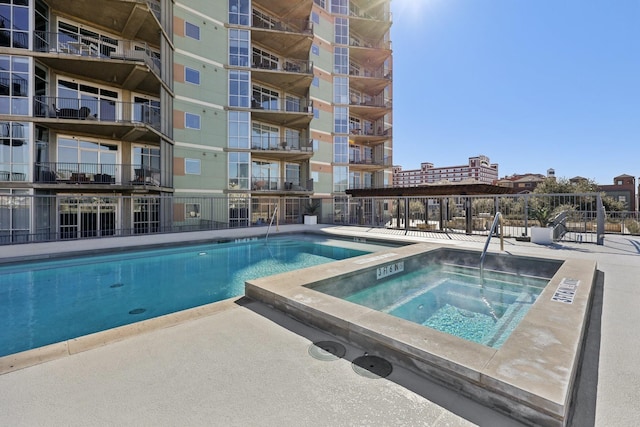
(571, 217)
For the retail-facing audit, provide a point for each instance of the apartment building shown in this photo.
(478, 169)
(109, 106)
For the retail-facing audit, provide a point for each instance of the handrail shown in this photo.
(275, 210)
(497, 219)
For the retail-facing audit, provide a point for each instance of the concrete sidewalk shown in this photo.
(248, 365)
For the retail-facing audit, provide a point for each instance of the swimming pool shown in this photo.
(51, 301)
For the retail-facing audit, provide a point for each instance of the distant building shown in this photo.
(623, 190)
(522, 183)
(479, 169)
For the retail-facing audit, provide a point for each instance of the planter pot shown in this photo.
(542, 235)
(310, 219)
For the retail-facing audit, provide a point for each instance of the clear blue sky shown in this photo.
(532, 84)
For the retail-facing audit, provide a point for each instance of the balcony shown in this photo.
(367, 81)
(299, 10)
(294, 74)
(126, 121)
(373, 54)
(369, 163)
(371, 25)
(272, 185)
(277, 148)
(96, 175)
(369, 108)
(131, 19)
(294, 113)
(124, 63)
(292, 37)
(369, 137)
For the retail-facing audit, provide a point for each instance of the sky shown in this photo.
(532, 84)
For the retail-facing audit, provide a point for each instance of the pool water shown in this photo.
(52, 301)
(454, 300)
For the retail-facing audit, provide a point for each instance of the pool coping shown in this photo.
(28, 358)
(529, 378)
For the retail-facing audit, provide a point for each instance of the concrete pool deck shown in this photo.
(246, 364)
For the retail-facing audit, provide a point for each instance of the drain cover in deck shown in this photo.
(327, 350)
(372, 367)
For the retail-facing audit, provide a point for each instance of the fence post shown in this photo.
(600, 221)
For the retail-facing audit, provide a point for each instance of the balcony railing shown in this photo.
(359, 43)
(370, 161)
(102, 110)
(266, 22)
(96, 173)
(96, 47)
(273, 143)
(285, 64)
(370, 132)
(280, 184)
(284, 105)
(382, 16)
(380, 73)
(378, 101)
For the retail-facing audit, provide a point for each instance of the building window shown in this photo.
(341, 28)
(146, 215)
(341, 60)
(264, 60)
(238, 129)
(315, 82)
(14, 20)
(315, 49)
(340, 7)
(315, 18)
(264, 137)
(238, 88)
(192, 121)
(239, 12)
(341, 90)
(77, 100)
(264, 98)
(191, 75)
(14, 85)
(239, 48)
(239, 171)
(192, 166)
(191, 30)
(340, 178)
(14, 151)
(320, 3)
(340, 149)
(340, 120)
(316, 113)
(15, 212)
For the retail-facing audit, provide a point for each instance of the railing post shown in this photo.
(600, 221)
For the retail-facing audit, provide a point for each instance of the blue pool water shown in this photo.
(47, 302)
(453, 300)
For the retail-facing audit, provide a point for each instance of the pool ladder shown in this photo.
(496, 220)
(273, 217)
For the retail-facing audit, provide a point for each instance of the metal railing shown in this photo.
(378, 101)
(497, 220)
(280, 184)
(102, 47)
(276, 143)
(284, 64)
(386, 162)
(262, 21)
(102, 110)
(95, 173)
(28, 218)
(282, 105)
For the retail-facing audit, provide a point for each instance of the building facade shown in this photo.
(622, 190)
(257, 102)
(479, 169)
